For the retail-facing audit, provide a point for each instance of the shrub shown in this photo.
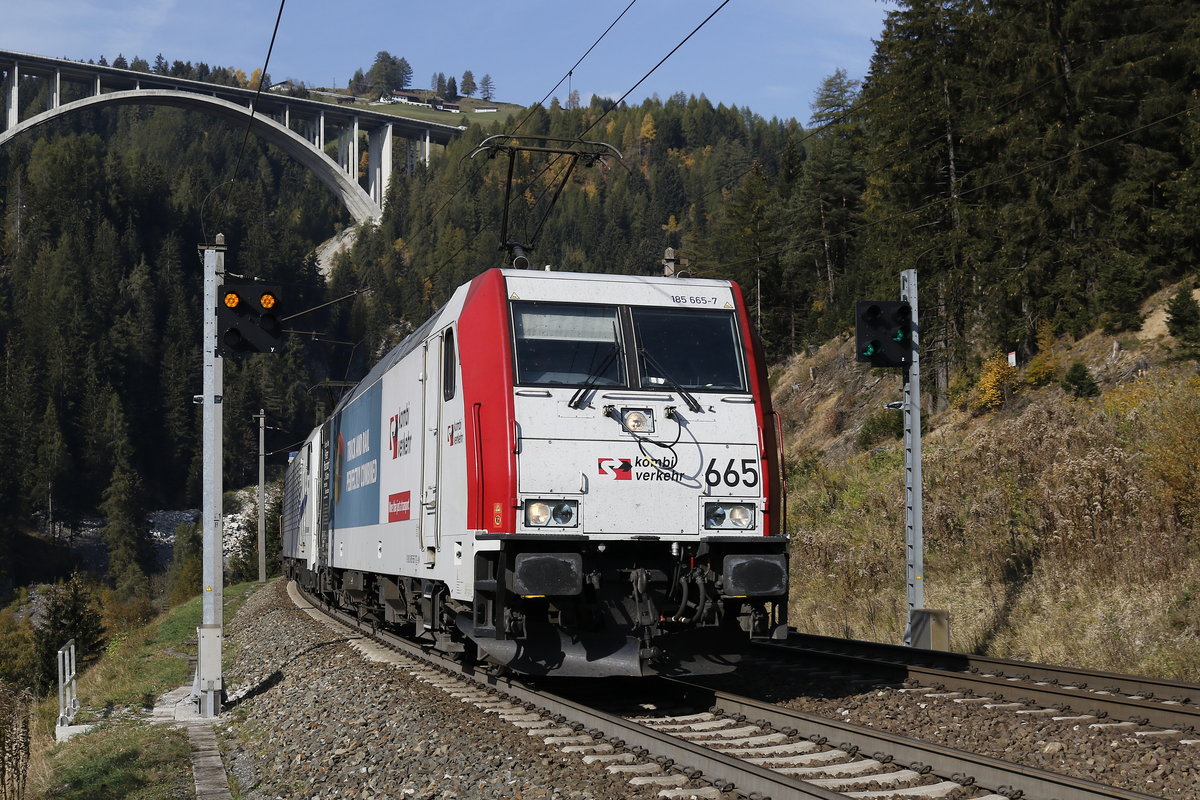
(1043, 367)
(997, 382)
(1079, 381)
(1183, 320)
(958, 393)
(1169, 436)
(17, 665)
(187, 570)
(883, 425)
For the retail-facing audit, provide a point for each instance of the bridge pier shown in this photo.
(379, 170)
(12, 97)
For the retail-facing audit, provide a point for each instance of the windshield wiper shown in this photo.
(576, 400)
(687, 396)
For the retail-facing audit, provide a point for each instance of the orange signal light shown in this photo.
(267, 300)
(231, 300)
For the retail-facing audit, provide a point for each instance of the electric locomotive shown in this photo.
(564, 474)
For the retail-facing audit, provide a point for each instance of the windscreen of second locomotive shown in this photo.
(567, 344)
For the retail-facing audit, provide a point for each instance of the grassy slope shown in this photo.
(1056, 529)
(125, 756)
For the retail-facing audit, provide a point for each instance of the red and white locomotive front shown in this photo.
(623, 474)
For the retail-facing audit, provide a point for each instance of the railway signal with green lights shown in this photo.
(883, 333)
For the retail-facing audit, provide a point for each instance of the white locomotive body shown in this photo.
(570, 474)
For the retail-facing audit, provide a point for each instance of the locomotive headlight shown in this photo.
(741, 516)
(726, 516)
(552, 513)
(563, 514)
(637, 421)
(537, 513)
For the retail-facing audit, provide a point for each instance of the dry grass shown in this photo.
(1055, 529)
(1146, 627)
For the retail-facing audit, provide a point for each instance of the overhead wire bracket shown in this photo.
(590, 152)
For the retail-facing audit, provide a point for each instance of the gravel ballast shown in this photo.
(317, 720)
(1139, 758)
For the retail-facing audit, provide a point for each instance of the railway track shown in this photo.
(687, 740)
(1088, 695)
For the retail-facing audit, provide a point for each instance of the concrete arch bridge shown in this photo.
(300, 127)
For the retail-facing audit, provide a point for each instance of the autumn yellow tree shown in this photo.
(997, 382)
(648, 132)
(1043, 367)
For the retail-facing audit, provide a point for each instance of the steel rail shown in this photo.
(693, 760)
(733, 774)
(1144, 686)
(1003, 777)
(1125, 697)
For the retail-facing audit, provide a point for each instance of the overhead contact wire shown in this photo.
(517, 128)
(641, 80)
(572, 69)
(254, 104)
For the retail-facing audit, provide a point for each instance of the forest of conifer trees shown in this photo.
(1036, 163)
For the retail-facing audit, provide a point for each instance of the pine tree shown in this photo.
(1079, 381)
(467, 84)
(1183, 319)
(824, 210)
(187, 570)
(404, 73)
(384, 76)
(52, 467)
(71, 612)
(918, 93)
(122, 510)
(487, 88)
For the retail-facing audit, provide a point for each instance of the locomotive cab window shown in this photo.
(694, 349)
(567, 344)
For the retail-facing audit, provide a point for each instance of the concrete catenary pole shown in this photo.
(914, 529)
(208, 686)
(262, 510)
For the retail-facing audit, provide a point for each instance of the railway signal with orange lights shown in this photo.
(247, 319)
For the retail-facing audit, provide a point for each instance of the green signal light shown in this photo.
(871, 349)
(900, 335)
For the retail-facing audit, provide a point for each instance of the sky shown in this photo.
(768, 55)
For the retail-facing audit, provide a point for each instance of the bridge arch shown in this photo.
(356, 199)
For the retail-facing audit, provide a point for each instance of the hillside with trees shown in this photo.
(1037, 165)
